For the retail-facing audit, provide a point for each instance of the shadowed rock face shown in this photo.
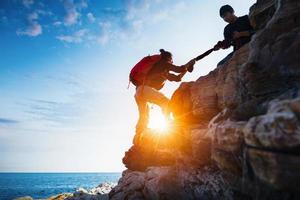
(237, 130)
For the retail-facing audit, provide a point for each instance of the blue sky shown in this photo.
(64, 68)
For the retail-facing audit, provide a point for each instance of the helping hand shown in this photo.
(191, 62)
(190, 65)
(218, 46)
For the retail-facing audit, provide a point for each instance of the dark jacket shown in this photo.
(241, 24)
(160, 72)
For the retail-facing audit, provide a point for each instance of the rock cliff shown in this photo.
(236, 133)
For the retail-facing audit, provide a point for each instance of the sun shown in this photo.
(157, 120)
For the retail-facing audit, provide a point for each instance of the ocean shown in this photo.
(43, 185)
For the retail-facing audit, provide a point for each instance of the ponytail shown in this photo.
(165, 54)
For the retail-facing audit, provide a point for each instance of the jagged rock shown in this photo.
(139, 158)
(156, 149)
(251, 100)
(200, 101)
(61, 196)
(98, 193)
(171, 183)
(182, 96)
(280, 170)
(130, 186)
(226, 134)
(24, 198)
(279, 129)
(201, 147)
(273, 64)
(228, 86)
(162, 183)
(261, 13)
(204, 98)
(227, 142)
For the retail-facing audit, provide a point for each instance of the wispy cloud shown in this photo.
(57, 23)
(125, 23)
(53, 112)
(106, 32)
(72, 15)
(34, 28)
(8, 121)
(44, 12)
(73, 11)
(91, 17)
(27, 3)
(118, 24)
(32, 16)
(76, 37)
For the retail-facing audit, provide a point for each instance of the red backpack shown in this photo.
(139, 72)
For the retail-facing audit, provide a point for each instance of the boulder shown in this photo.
(173, 183)
(261, 13)
(273, 64)
(201, 147)
(227, 142)
(278, 129)
(279, 170)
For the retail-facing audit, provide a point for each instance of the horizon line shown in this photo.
(3, 172)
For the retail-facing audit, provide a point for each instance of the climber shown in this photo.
(237, 33)
(150, 79)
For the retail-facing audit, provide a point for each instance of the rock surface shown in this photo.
(98, 193)
(236, 133)
(278, 129)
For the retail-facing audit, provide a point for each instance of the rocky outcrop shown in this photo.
(274, 144)
(236, 133)
(174, 182)
(97, 193)
(278, 129)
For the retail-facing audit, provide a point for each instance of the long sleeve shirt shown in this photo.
(160, 72)
(241, 24)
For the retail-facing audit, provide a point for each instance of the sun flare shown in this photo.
(157, 120)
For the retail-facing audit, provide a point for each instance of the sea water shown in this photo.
(43, 185)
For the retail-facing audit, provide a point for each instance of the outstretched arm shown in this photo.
(184, 68)
(177, 69)
(225, 44)
(173, 77)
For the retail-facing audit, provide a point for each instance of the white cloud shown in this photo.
(57, 23)
(106, 33)
(140, 16)
(82, 4)
(72, 15)
(149, 13)
(44, 12)
(32, 16)
(27, 3)
(77, 37)
(34, 28)
(73, 11)
(91, 17)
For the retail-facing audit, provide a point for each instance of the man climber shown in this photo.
(237, 33)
